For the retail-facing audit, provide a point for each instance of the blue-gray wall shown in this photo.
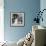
(29, 7)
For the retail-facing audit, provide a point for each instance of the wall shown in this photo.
(29, 7)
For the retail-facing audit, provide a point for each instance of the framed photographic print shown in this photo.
(17, 19)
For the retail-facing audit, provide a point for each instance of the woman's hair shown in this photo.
(14, 17)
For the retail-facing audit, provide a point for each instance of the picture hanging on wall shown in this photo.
(17, 19)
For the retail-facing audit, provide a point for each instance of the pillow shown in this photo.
(21, 42)
(28, 39)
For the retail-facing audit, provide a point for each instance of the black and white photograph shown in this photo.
(17, 19)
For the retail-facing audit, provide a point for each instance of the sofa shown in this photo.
(8, 43)
(39, 37)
